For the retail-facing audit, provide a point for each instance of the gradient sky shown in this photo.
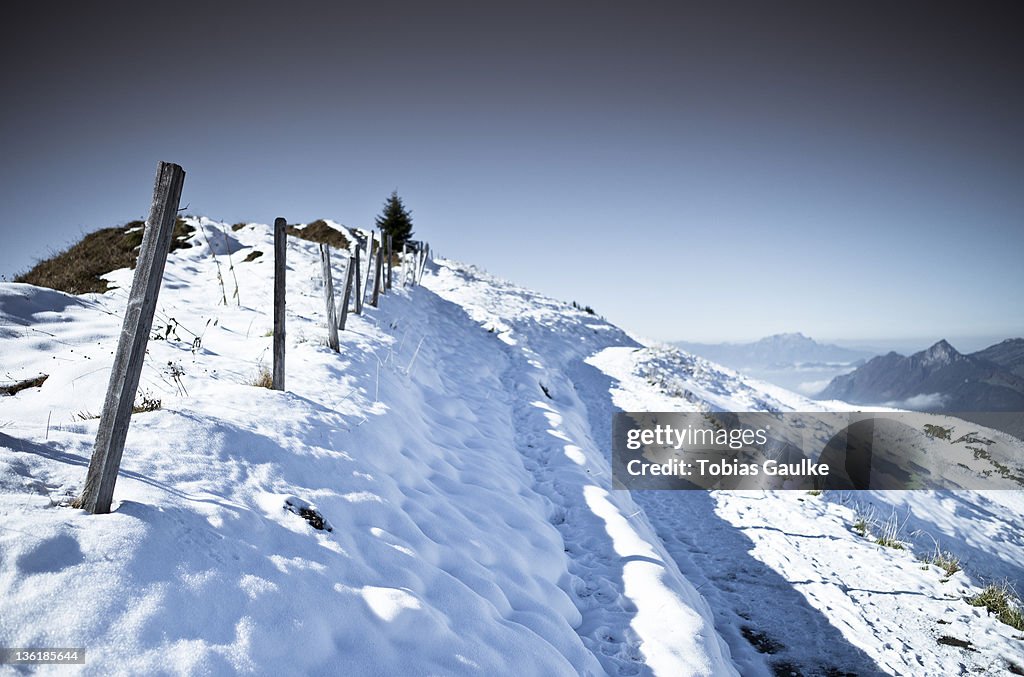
(717, 171)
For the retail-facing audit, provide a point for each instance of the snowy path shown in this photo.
(639, 615)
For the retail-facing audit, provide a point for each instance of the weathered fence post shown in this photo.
(280, 250)
(378, 274)
(332, 320)
(421, 261)
(345, 295)
(359, 297)
(383, 262)
(390, 254)
(405, 264)
(131, 347)
(370, 254)
(415, 265)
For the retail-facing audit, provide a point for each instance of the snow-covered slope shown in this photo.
(787, 573)
(457, 448)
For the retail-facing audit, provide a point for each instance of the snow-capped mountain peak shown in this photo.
(941, 353)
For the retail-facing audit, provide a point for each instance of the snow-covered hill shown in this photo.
(457, 448)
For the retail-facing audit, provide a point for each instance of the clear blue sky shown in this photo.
(717, 171)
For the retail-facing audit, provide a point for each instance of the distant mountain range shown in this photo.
(776, 351)
(793, 361)
(939, 379)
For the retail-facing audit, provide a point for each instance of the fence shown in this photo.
(98, 491)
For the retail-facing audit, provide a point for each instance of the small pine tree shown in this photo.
(396, 221)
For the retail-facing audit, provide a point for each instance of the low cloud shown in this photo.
(922, 401)
(811, 388)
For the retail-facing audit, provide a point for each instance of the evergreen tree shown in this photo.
(396, 221)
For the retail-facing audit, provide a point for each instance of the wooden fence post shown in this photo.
(131, 347)
(345, 295)
(359, 297)
(280, 250)
(405, 264)
(421, 261)
(332, 320)
(383, 262)
(370, 253)
(388, 285)
(415, 265)
(378, 275)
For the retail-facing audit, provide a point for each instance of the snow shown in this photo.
(782, 562)
(456, 450)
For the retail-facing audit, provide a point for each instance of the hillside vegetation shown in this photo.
(80, 268)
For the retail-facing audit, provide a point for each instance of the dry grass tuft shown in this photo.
(77, 269)
(999, 599)
(945, 560)
(263, 379)
(319, 231)
(147, 403)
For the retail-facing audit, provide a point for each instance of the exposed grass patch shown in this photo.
(815, 492)
(889, 543)
(785, 669)
(937, 431)
(972, 438)
(239, 226)
(253, 255)
(1000, 600)
(982, 454)
(263, 379)
(77, 269)
(890, 533)
(946, 561)
(864, 520)
(147, 403)
(319, 231)
(762, 642)
(833, 671)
